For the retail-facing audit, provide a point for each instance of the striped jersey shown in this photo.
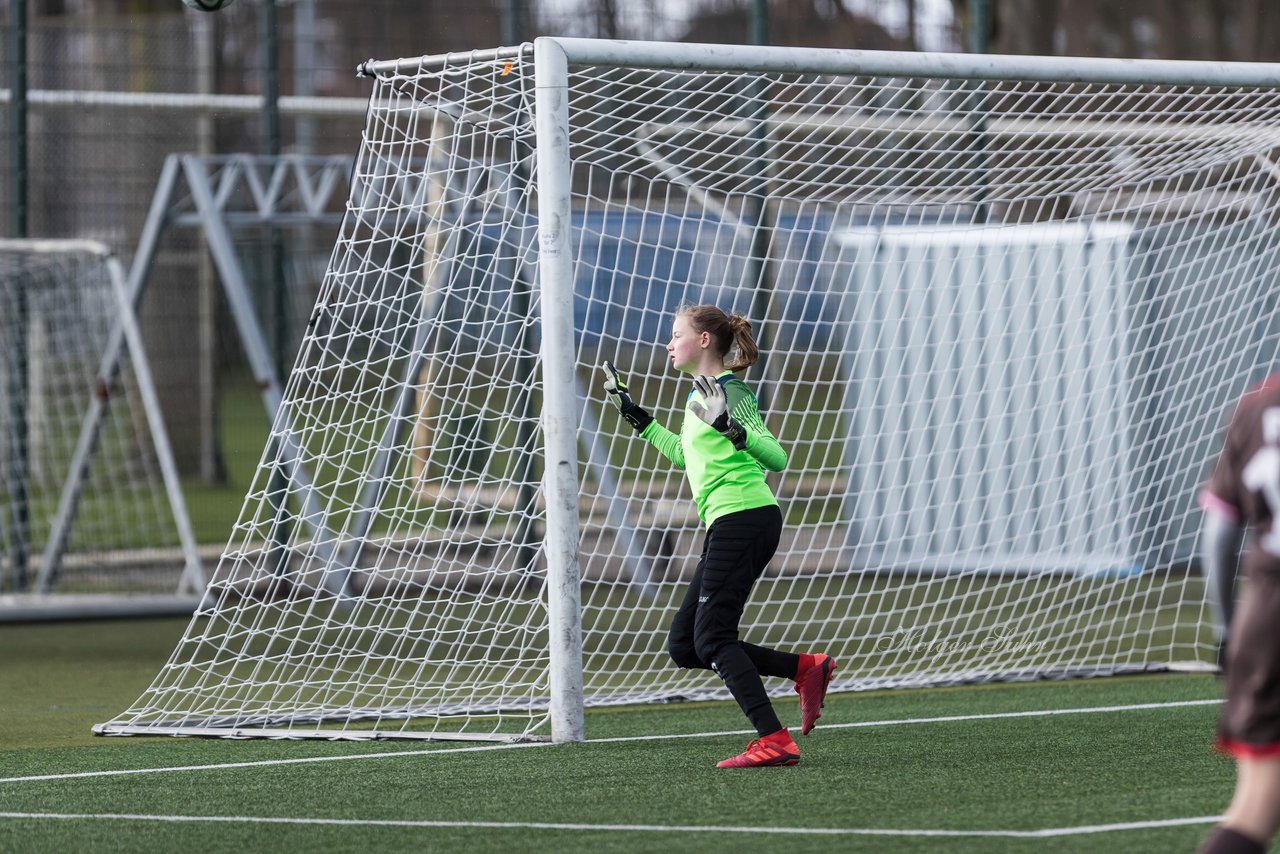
(1244, 483)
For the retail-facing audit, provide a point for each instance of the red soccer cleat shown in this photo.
(811, 685)
(776, 748)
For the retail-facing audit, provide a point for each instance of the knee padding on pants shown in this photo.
(684, 655)
(707, 648)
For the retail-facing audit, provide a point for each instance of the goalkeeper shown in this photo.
(724, 447)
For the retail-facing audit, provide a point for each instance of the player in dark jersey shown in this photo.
(1244, 491)
(724, 448)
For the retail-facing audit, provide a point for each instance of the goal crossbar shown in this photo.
(958, 66)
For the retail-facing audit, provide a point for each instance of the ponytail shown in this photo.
(744, 352)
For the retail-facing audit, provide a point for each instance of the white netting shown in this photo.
(1001, 322)
(58, 312)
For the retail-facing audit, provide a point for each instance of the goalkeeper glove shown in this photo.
(616, 390)
(715, 411)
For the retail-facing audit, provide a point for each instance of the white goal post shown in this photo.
(1003, 304)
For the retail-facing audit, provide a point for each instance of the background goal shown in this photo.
(92, 519)
(1004, 303)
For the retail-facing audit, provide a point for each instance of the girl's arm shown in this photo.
(761, 444)
(667, 443)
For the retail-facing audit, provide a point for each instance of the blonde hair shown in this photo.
(731, 334)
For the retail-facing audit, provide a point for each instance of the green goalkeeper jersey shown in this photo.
(724, 480)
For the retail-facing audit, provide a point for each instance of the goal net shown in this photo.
(1003, 315)
(91, 521)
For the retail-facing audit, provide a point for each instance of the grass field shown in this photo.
(1118, 764)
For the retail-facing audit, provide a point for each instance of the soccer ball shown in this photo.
(207, 5)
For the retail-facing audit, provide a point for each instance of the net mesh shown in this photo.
(1001, 325)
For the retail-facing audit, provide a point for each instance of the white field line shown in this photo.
(938, 720)
(625, 828)
(665, 736)
(265, 762)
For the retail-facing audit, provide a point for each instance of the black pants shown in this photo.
(704, 633)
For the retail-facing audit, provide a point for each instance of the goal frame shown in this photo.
(563, 424)
(552, 59)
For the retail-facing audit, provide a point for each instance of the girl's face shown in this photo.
(687, 345)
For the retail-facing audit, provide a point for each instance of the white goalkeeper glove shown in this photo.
(714, 410)
(616, 390)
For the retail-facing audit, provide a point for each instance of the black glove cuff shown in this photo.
(731, 430)
(637, 417)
